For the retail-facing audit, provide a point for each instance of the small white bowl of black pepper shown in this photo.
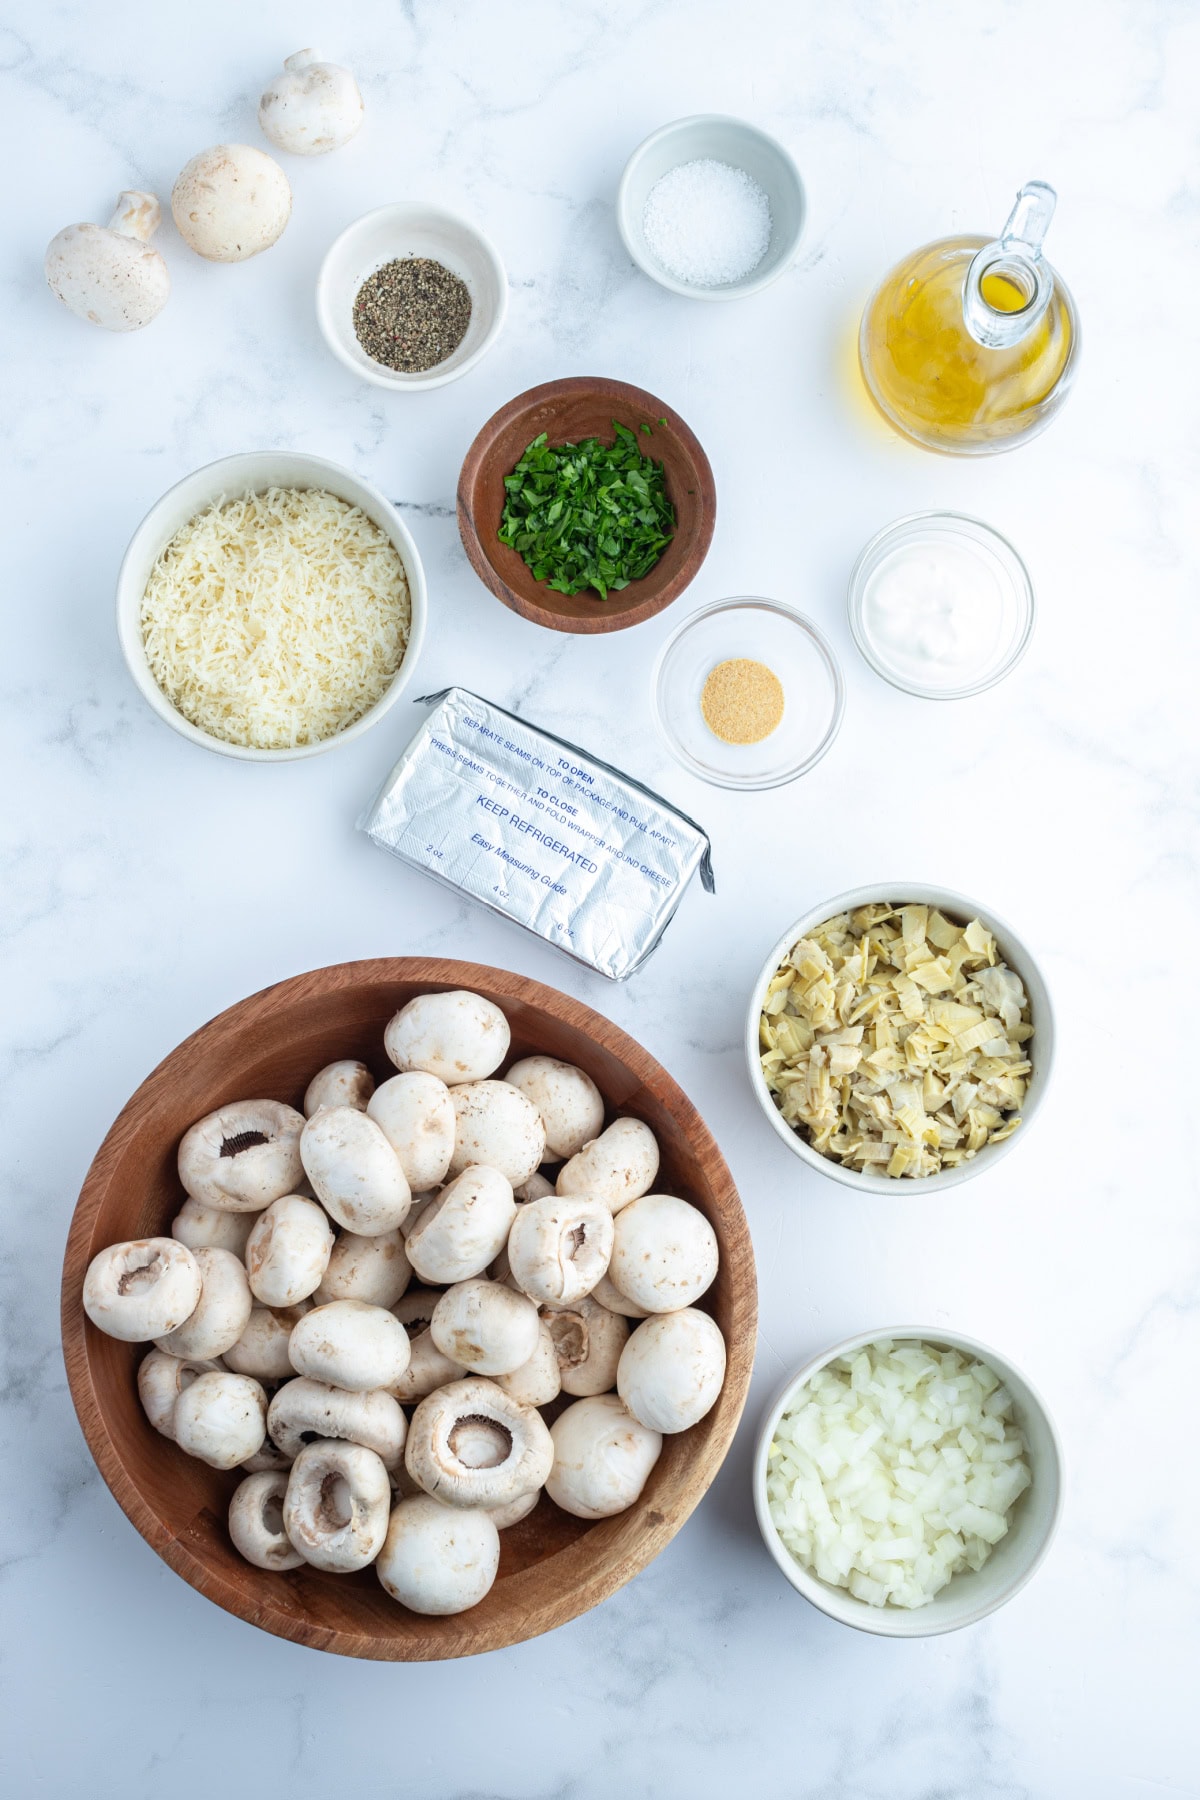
(411, 296)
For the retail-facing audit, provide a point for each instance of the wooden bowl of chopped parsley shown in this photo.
(586, 504)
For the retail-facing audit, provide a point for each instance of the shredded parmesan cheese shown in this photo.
(277, 619)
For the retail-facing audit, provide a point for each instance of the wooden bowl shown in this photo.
(585, 406)
(552, 1566)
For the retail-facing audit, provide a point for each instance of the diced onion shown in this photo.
(896, 1468)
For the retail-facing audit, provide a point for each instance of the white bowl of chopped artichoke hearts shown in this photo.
(900, 1038)
(271, 606)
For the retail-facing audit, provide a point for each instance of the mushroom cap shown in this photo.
(345, 1083)
(304, 1409)
(230, 202)
(538, 1381)
(335, 1508)
(112, 278)
(607, 1293)
(559, 1247)
(428, 1368)
(256, 1522)
(485, 1327)
(671, 1370)
(664, 1253)
(262, 1349)
(243, 1156)
(569, 1103)
(140, 1290)
(618, 1166)
(198, 1225)
(588, 1340)
(354, 1170)
(471, 1444)
(496, 1125)
(221, 1313)
(438, 1559)
(458, 1036)
(350, 1344)
(374, 1269)
(415, 1114)
(161, 1378)
(312, 107)
(602, 1457)
(221, 1418)
(288, 1251)
(464, 1228)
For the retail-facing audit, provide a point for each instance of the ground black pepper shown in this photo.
(411, 314)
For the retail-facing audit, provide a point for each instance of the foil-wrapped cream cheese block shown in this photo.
(539, 831)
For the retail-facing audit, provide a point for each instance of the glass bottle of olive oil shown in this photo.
(970, 344)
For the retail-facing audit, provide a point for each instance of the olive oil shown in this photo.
(923, 360)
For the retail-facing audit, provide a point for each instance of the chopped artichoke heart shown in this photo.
(895, 1038)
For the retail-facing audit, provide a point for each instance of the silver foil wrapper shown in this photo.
(539, 831)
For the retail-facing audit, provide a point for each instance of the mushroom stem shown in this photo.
(137, 215)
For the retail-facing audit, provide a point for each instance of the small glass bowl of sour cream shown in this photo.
(941, 605)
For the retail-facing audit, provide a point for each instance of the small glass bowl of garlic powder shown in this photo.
(941, 605)
(747, 694)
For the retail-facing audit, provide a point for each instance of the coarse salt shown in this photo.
(707, 223)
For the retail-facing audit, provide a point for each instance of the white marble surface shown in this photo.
(148, 884)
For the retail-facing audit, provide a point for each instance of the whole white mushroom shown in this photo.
(288, 1251)
(415, 1113)
(354, 1171)
(603, 1457)
(350, 1345)
(304, 1409)
(161, 1379)
(457, 1036)
(262, 1349)
(140, 1290)
(312, 107)
(256, 1522)
(220, 1315)
(496, 1125)
(374, 1269)
(243, 1156)
(664, 1253)
(344, 1083)
(487, 1328)
(568, 1101)
(231, 202)
(539, 1379)
(464, 1229)
(588, 1340)
(110, 274)
(221, 1418)
(471, 1444)
(617, 1167)
(335, 1509)
(672, 1369)
(198, 1225)
(559, 1247)
(438, 1559)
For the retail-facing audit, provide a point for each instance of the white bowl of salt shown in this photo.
(711, 207)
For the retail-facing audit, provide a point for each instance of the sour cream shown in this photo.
(940, 605)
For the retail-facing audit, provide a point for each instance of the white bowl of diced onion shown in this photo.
(255, 472)
(848, 1544)
(1012, 951)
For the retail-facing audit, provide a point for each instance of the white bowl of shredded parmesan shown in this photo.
(908, 1482)
(900, 1038)
(271, 605)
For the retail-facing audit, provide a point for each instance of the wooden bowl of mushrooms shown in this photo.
(398, 1358)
